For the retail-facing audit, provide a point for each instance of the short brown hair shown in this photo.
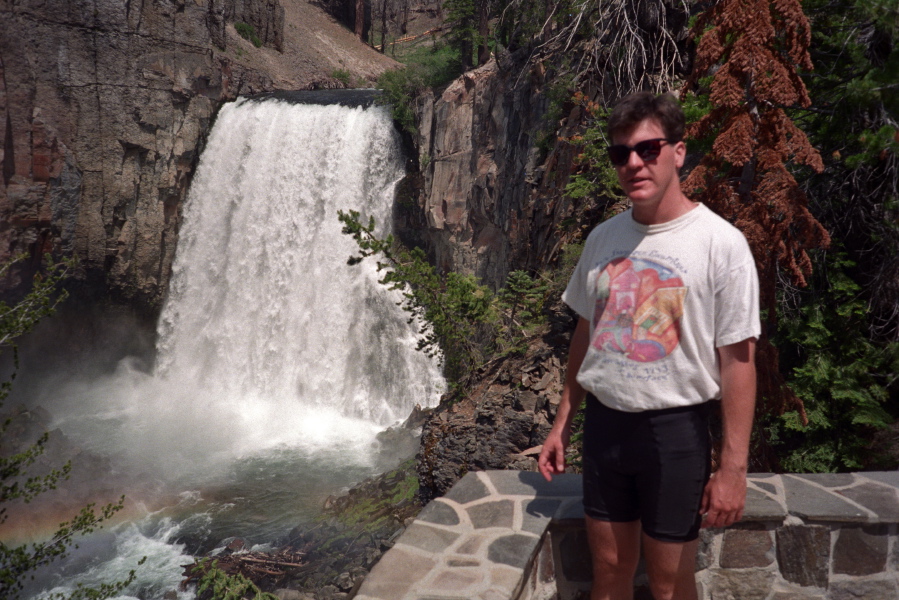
(639, 106)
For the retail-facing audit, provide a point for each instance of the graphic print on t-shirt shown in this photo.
(638, 309)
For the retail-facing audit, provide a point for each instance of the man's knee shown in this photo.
(614, 547)
(683, 589)
(671, 569)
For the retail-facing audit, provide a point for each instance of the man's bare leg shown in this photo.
(671, 568)
(615, 552)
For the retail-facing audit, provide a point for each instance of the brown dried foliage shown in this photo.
(757, 47)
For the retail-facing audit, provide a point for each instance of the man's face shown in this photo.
(648, 182)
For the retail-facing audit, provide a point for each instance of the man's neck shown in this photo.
(667, 210)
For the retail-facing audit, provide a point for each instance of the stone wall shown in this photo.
(509, 535)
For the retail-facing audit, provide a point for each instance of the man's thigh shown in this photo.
(676, 470)
(614, 545)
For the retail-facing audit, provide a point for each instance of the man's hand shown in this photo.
(724, 498)
(725, 494)
(552, 457)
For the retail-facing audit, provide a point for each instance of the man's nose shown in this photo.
(633, 160)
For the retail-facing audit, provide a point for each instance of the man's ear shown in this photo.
(680, 154)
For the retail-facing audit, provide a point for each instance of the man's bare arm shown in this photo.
(552, 457)
(725, 494)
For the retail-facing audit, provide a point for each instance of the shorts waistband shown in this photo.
(702, 407)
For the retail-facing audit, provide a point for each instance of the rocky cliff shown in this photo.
(491, 197)
(103, 108)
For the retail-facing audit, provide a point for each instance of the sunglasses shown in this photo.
(619, 154)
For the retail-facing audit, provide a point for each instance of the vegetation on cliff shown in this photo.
(461, 322)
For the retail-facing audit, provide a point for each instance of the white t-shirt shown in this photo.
(660, 299)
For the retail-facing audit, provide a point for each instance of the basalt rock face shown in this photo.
(265, 16)
(103, 107)
(503, 419)
(490, 197)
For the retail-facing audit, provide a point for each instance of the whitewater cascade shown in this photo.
(268, 339)
(263, 312)
(277, 364)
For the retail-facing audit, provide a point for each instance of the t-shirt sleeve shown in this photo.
(737, 300)
(576, 294)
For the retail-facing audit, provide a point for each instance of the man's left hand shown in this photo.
(724, 498)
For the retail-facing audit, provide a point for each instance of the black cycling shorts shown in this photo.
(650, 466)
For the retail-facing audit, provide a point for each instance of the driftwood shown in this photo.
(265, 569)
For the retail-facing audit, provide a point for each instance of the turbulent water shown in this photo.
(276, 362)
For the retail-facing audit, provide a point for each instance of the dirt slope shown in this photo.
(315, 47)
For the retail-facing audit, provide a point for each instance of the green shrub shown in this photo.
(215, 584)
(455, 314)
(343, 76)
(461, 321)
(842, 377)
(425, 68)
(247, 32)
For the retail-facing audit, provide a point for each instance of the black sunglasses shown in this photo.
(619, 154)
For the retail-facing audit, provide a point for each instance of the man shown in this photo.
(667, 294)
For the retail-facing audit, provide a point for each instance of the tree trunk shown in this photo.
(483, 32)
(383, 26)
(360, 19)
(404, 28)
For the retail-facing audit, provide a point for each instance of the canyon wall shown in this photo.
(491, 197)
(103, 108)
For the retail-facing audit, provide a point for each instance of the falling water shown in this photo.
(276, 363)
(263, 313)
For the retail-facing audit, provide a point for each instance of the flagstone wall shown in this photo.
(509, 535)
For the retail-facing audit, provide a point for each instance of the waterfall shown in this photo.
(277, 364)
(263, 313)
(268, 339)
(262, 306)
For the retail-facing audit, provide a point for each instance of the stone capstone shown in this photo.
(492, 514)
(812, 502)
(536, 513)
(440, 513)
(470, 488)
(514, 550)
(763, 506)
(429, 539)
(880, 499)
